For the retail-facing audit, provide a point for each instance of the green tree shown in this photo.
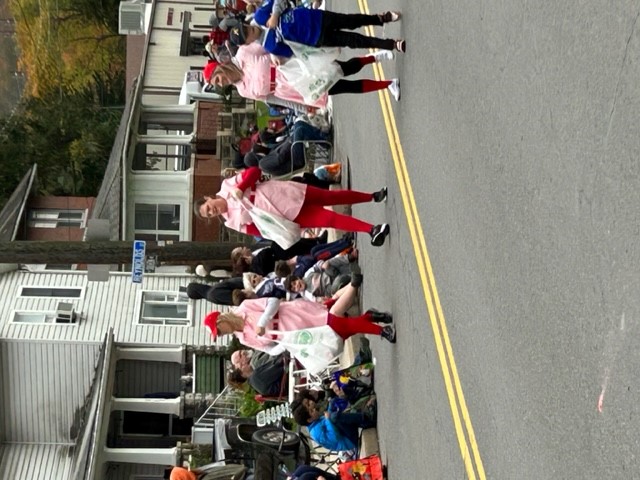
(69, 136)
(74, 64)
(13, 136)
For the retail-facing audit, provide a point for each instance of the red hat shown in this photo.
(211, 321)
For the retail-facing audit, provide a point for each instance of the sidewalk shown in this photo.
(369, 437)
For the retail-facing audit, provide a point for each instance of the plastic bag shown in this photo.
(274, 227)
(312, 71)
(315, 348)
(329, 173)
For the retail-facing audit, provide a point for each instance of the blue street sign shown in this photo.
(137, 262)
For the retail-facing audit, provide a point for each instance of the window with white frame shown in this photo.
(47, 318)
(56, 218)
(155, 222)
(162, 158)
(165, 308)
(48, 291)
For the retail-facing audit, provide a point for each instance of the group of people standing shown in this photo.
(284, 286)
(266, 45)
(312, 284)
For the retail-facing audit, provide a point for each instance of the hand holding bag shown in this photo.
(273, 226)
(312, 71)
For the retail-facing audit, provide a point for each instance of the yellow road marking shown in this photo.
(453, 387)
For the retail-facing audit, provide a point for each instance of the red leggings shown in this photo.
(314, 215)
(347, 326)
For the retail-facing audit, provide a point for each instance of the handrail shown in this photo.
(227, 402)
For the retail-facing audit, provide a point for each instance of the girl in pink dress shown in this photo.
(297, 202)
(253, 317)
(255, 77)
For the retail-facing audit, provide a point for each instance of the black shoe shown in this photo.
(388, 17)
(389, 333)
(380, 317)
(323, 237)
(378, 234)
(380, 195)
(356, 279)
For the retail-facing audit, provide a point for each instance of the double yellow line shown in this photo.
(466, 436)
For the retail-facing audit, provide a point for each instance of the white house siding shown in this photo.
(45, 386)
(114, 303)
(164, 65)
(35, 462)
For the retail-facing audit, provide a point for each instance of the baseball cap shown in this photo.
(237, 36)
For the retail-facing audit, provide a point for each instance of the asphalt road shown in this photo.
(519, 123)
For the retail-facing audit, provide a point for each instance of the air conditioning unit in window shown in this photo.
(65, 313)
(131, 18)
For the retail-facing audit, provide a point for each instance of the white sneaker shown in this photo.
(383, 55)
(394, 89)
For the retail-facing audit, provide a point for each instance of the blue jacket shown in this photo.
(324, 432)
(300, 25)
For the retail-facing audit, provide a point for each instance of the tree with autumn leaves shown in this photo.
(66, 45)
(74, 63)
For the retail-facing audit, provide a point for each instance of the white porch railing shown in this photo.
(226, 404)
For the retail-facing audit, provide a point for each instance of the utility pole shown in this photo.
(110, 252)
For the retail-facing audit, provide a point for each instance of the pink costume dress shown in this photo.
(258, 82)
(294, 315)
(282, 198)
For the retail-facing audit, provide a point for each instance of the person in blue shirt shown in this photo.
(245, 35)
(319, 28)
(331, 430)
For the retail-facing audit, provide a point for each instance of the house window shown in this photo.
(162, 158)
(54, 218)
(60, 266)
(47, 318)
(155, 222)
(165, 308)
(56, 292)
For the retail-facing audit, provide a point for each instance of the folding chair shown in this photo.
(299, 377)
(281, 397)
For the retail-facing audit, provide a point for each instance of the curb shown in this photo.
(368, 437)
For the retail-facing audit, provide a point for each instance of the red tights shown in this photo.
(347, 326)
(314, 215)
